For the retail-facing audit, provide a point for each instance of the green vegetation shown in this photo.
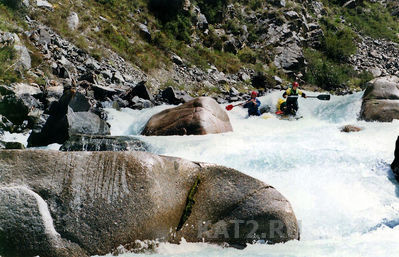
(340, 44)
(115, 24)
(370, 19)
(374, 21)
(214, 10)
(329, 75)
(189, 203)
(7, 58)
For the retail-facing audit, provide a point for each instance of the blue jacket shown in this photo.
(252, 108)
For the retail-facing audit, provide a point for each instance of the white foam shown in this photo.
(339, 184)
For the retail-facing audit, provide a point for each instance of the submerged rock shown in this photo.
(11, 145)
(103, 143)
(350, 128)
(101, 200)
(200, 116)
(381, 100)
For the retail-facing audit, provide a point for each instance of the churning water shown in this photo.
(339, 184)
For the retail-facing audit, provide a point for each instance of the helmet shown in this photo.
(254, 93)
(295, 84)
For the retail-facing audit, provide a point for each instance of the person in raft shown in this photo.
(292, 95)
(253, 105)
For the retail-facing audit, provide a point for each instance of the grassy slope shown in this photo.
(114, 24)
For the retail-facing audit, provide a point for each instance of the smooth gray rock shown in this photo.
(382, 88)
(26, 226)
(289, 57)
(101, 200)
(381, 100)
(44, 4)
(73, 21)
(24, 60)
(380, 110)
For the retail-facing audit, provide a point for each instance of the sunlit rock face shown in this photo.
(200, 116)
(381, 100)
(88, 203)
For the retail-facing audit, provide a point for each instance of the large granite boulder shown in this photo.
(381, 100)
(52, 201)
(395, 163)
(200, 116)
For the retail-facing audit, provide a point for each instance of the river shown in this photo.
(339, 184)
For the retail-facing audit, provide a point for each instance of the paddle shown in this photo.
(320, 97)
(230, 106)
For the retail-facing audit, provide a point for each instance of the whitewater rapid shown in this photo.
(340, 184)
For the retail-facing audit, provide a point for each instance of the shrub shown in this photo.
(110, 2)
(180, 28)
(247, 55)
(213, 10)
(325, 73)
(166, 10)
(339, 45)
(7, 73)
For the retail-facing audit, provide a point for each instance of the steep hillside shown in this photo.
(209, 46)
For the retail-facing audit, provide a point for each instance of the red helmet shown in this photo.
(295, 84)
(254, 93)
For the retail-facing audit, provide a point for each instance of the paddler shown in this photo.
(253, 105)
(292, 95)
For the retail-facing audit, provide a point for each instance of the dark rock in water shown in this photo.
(350, 128)
(200, 116)
(64, 122)
(140, 103)
(381, 100)
(395, 163)
(101, 200)
(265, 109)
(103, 143)
(5, 124)
(11, 145)
(59, 128)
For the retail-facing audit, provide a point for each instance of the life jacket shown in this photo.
(291, 91)
(279, 103)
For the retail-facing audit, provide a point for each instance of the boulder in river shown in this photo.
(64, 122)
(90, 203)
(350, 128)
(200, 116)
(103, 143)
(395, 163)
(381, 100)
